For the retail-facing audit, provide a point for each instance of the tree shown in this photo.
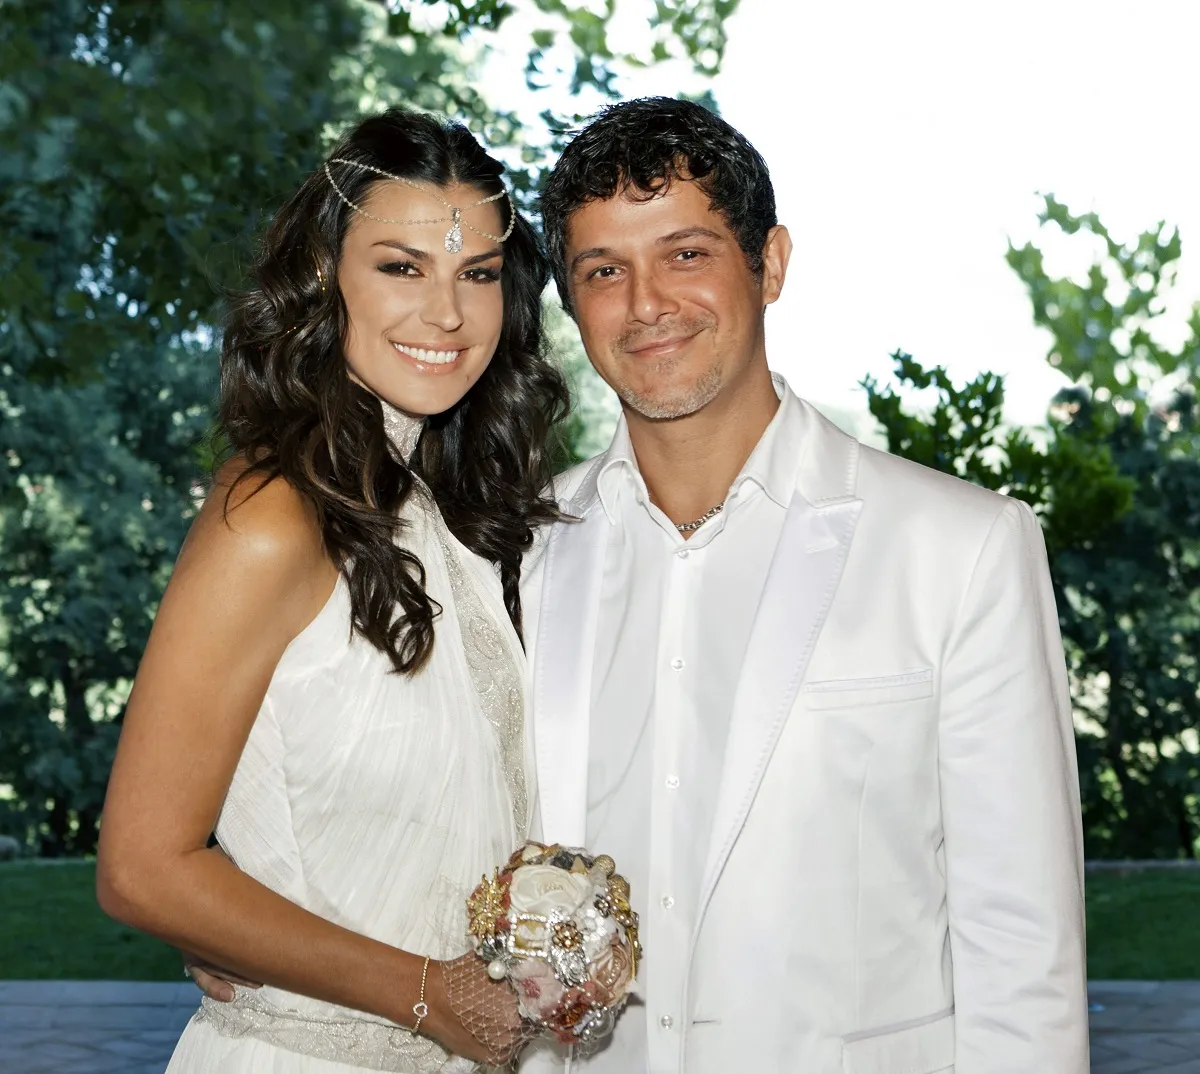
(142, 146)
(1115, 478)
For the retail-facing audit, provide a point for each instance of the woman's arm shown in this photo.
(244, 586)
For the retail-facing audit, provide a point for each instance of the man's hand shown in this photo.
(214, 981)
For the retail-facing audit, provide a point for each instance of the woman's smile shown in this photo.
(429, 355)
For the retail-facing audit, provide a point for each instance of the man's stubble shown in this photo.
(677, 401)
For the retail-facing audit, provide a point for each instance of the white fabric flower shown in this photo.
(544, 889)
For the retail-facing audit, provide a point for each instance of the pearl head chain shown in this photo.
(454, 237)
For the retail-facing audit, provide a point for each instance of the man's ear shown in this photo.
(777, 252)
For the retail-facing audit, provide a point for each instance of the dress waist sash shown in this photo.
(340, 1035)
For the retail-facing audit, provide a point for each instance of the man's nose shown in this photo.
(649, 298)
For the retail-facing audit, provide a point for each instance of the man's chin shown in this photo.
(679, 402)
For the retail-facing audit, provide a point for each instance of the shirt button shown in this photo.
(672, 782)
(683, 553)
(677, 664)
(666, 1021)
(667, 902)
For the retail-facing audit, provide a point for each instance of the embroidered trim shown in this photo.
(496, 677)
(354, 1041)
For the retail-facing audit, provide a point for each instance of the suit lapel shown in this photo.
(800, 587)
(563, 658)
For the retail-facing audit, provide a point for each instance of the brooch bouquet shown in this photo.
(556, 922)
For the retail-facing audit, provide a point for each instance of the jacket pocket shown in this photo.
(922, 1046)
(879, 690)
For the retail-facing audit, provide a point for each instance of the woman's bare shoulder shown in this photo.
(261, 522)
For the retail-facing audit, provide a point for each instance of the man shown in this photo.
(809, 696)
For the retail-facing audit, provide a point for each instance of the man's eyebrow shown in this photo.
(697, 232)
(592, 254)
(690, 233)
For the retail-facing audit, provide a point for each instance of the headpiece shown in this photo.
(454, 237)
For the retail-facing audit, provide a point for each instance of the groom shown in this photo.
(809, 696)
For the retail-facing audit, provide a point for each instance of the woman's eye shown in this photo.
(482, 275)
(399, 268)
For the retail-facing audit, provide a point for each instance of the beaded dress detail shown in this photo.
(375, 800)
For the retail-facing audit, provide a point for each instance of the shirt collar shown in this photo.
(619, 466)
(773, 464)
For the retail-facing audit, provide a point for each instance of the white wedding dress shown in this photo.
(377, 801)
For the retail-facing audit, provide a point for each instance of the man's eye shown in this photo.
(689, 255)
(604, 272)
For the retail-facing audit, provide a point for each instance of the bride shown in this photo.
(334, 681)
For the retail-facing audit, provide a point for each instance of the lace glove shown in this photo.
(487, 1009)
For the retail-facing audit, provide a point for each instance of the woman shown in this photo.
(334, 678)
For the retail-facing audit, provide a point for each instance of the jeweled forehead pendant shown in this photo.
(454, 237)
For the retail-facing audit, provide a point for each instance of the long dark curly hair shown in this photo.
(289, 409)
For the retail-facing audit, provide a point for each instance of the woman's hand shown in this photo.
(470, 1014)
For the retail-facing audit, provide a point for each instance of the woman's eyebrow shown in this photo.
(412, 251)
(496, 252)
(421, 255)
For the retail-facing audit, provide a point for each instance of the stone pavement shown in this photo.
(1145, 1027)
(103, 1027)
(91, 1027)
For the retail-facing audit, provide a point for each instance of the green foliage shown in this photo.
(594, 406)
(142, 147)
(691, 29)
(129, 187)
(1115, 478)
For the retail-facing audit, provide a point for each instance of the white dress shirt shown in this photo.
(674, 621)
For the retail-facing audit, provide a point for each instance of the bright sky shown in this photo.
(906, 142)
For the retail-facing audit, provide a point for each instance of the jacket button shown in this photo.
(666, 1021)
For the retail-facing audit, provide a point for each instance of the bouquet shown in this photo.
(556, 922)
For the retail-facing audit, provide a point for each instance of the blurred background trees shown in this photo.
(1115, 479)
(143, 143)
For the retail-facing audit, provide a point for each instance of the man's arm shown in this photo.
(1011, 816)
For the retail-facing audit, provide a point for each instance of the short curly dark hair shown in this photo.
(644, 144)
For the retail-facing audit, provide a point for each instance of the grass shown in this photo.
(1144, 926)
(51, 928)
(1141, 926)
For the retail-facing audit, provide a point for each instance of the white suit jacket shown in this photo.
(894, 880)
